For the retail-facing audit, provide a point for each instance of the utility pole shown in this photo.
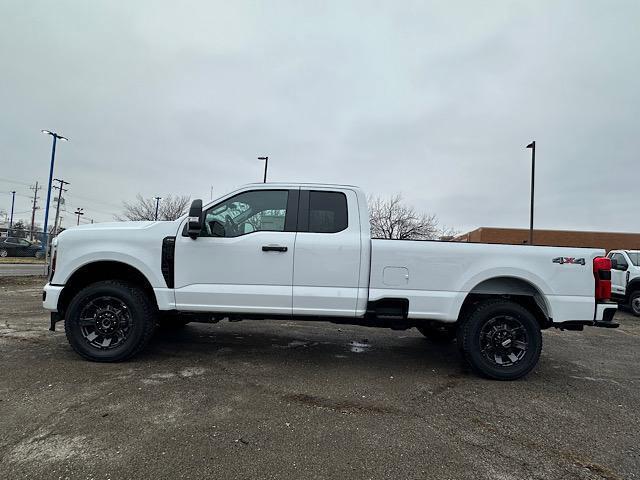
(34, 208)
(78, 212)
(60, 189)
(157, 204)
(266, 164)
(13, 201)
(532, 146)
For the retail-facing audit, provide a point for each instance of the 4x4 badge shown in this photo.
(563, 260)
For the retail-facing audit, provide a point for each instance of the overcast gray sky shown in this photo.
(435, 100)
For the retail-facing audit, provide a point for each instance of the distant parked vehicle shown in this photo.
(625, 278)
(19, 247)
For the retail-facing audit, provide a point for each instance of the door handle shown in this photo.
(274, 248)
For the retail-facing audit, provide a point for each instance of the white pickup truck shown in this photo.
(625, 278)
(305, 251)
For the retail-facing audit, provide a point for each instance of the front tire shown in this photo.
(3, 253)
(501, 340)
(109, 321)
(634, 302)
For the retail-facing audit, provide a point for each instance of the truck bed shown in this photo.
(437, 276)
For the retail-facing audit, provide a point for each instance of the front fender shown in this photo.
(63, 274)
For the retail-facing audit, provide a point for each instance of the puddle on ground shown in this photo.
(296, 344)
(359, 346)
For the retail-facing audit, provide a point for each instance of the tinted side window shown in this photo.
(620, 259)
(247, 212)
(327, 212)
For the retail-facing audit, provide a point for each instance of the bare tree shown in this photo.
(170, 208)
(173, 207)
(391, 218)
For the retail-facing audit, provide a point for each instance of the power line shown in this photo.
(8, 180)
(17, 194)
(99, 202)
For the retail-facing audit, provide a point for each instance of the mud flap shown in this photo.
(55, 318)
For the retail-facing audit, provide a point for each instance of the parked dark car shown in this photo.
(19, 247)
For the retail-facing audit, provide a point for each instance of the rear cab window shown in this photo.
(323, 212)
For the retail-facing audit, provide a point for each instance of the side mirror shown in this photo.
(194, 222)
(217, 229)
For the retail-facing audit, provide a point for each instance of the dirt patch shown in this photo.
(341, 406)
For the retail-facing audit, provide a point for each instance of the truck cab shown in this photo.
(277, 250)
(625, 278)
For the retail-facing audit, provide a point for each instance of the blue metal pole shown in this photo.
(46, 210)
(13, 201)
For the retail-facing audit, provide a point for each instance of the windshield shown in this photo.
(634, 257)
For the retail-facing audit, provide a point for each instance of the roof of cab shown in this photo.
(298, 184)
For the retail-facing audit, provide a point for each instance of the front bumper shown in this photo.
(50, 296)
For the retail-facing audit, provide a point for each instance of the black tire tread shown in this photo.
(464, 336)
(149, 313)
(629, 303)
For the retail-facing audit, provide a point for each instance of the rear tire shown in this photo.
(440, 333)
(501, 340)
(109, 321)
(3, 253)
(634, 302)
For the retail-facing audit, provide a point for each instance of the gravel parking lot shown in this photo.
(310, 400)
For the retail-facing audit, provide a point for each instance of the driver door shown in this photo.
(618, 275)
(243, 260)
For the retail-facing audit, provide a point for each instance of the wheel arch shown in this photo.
(102, 270)
(517, 289)
(632, 286)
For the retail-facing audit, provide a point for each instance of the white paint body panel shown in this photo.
(621, 278)
(234, 274)
(441, 274)
(325, 274)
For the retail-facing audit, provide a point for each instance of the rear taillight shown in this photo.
(602, 274)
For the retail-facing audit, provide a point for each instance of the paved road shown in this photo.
(20, 270)
(310, 400)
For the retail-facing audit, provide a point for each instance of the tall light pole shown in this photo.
(78, 212)
(266, 164)
(157, 204)
(45, 238)
(13, 201)
(532, 146)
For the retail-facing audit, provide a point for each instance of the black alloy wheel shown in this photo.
(105, 322)
(503, 340)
